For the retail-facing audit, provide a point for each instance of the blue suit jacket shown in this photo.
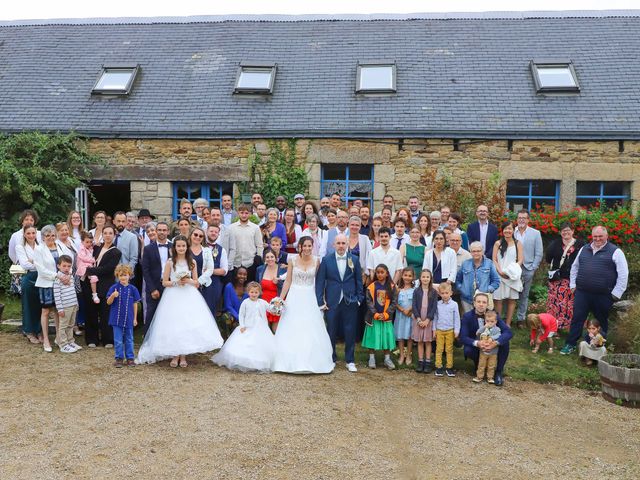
(329, 286)
(473, 232)
(152, 268)
(469, 327)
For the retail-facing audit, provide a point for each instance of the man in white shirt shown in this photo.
(228, 213)
(335, 201)
(256, 199)
(28, 218)
(248, 240)
(385, 254)
(154, 260)
(414, 208)
(298, 201)
(455, 242)
(224, 238)
(387, 201)
(532, 248)
(399, 236)
(444, 216)
(125, 241)
(261, 212)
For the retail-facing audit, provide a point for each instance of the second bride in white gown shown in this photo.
(302, 341)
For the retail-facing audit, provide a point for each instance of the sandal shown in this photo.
(32, 338)
(408, 360)
(173, 363)
(183, 363)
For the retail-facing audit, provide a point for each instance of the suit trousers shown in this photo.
(523, 299)
(583, 303)
(346, 316)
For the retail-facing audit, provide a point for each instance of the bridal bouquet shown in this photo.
(182, 275)
(275, 306)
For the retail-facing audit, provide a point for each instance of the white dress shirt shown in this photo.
(484, 228)
(391, 258)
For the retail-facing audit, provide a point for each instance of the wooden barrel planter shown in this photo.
(620, 377)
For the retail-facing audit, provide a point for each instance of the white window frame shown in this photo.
(376, 64)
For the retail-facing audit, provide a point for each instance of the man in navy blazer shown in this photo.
(469, 325)
(483, 231)
(339, 291)
(154, 258)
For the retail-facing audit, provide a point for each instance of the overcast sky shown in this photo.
(31, 9)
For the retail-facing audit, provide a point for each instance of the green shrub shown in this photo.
(625, 329)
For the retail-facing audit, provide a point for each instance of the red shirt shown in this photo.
(549, 324)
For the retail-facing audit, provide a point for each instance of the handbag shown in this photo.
(16, 272)
(555, 274)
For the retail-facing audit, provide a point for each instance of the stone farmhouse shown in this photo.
(550, 101)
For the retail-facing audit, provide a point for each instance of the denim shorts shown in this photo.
(46, 297)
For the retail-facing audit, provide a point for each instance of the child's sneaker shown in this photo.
(439, 372)
(68, 349)
(476, 380)
(420, 366)
(389, 364)
(450, 372)
(131, 362)
(95, 298)
(118, 363)
(75, 345)
(372, 362)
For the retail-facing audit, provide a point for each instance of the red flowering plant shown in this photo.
(622, 226)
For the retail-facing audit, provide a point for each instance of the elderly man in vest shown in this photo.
(598, 278)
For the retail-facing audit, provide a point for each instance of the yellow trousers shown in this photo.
(444, 343)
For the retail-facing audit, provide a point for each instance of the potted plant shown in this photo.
(620, 377)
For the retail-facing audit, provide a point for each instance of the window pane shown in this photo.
(259, 78)
(616, 188)
(214, 192)
(543, 187)
(539, 203)
(518, 187)
(334, 172)
(114, 79)
(376, 77)
(555, 77)
(190, 191)
(329, 188)
(360, 172)
(360, 189)
(585, 202)
(588, 188)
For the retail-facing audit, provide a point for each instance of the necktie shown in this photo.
(399, 243)
(116, 240)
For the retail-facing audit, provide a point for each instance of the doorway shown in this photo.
(109, 196)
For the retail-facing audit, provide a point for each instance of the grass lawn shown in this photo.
(522, 364)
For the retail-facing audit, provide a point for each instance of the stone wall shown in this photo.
(400, 167)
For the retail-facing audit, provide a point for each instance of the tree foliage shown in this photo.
(38, 171)
(281, 174)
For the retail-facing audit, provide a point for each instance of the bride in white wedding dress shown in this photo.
(302, 341)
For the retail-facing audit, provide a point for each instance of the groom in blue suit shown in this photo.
(339, 291)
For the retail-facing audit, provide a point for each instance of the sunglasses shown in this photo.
(197, 235)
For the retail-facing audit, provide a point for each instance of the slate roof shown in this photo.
(458, 76)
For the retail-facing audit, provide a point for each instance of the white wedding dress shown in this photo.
(302, 341)
(253, 349)
(182, 324)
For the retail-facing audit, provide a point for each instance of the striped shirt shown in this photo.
(64, 295)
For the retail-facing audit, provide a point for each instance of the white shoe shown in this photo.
(92, 345)
(75, 345)
(372, 362)
(389, 364)
(68, 349)
(352, 367)
(108, 345)
(47, 349)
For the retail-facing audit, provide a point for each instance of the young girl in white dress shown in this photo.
(182, 324)
(251, 346)
(302, 341)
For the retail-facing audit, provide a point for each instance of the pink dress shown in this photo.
(84, 260)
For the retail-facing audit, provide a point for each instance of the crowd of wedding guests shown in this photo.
(485, 273)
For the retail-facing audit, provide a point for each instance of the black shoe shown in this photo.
(420, 367)
(450, 372)
(440, 372)
(499, 380)
(427, 367)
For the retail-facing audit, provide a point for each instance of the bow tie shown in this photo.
(344, 257)
(163, 245)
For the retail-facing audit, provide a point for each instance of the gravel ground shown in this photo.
(75, 416)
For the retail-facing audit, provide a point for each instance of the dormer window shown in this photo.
(255, 77)
(554, 76)
(116, 80)
(376, 77)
